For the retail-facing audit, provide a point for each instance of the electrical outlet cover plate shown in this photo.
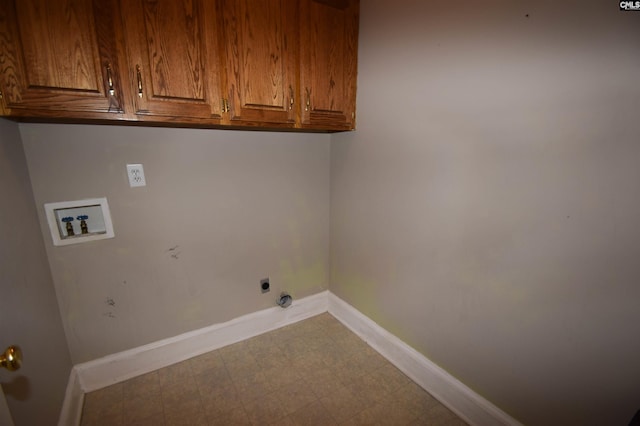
(135, 172)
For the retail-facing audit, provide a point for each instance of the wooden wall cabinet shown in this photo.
(57, 58)
(328, 63)
(261, 60)
(272, 64)
(172, 56)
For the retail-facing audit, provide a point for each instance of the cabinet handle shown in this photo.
(112, 91)
(139, 75)
(290, 98)
(0, 94)
(307, 105)
(225, 105)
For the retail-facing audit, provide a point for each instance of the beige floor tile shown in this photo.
(439, 415)
(332, 354)
(295, 348)
(315, 372)
(380, 415)
(141, 408)
(272, 358)
(260, 341)
(237, 417)
(253, 387)
(221, 404)
(278, 377)
(338, 331)
(104, 406)
(102, 413)
(175, 373)
(241, 367)
(369, 358)
(109, 419)
(186, 412)
(390, 378)
(263, 344)
(106, 395)
(348, 370)
(295, 396)
(178, 393)
(350, 344)
(203, 363)
(281, 335)
(308, 326)
(314, 414)
(323, 382)
(236, 352)
(213, 381)
(320, 340)
(146, 384)
(367, 389)
(343, 404)
(297, 330)
(413, 398)
(156, 419)
(265, 411)
(310, 362)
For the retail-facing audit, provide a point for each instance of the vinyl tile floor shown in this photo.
(314, 372)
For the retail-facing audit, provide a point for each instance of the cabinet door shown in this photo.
(329, 47)
(261, 59)
(57, 58)
(171, 49)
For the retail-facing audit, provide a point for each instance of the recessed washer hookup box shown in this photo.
(73, 222)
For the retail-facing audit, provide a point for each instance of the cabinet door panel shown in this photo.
(329, 35)
(260, 51)
(59, 56)
(172, 47)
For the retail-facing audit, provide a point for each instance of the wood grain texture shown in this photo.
(175, 45)
(329, 34)
(58, 44)
(261, 58)
(52, 58)
(174, 42)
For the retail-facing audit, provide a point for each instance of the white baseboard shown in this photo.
(467, 404)
(71, 411)
(116, 368)
(125, 365)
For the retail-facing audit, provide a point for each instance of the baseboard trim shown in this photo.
(463, 401)
(102, 372)
(125, 365)
(71, 411)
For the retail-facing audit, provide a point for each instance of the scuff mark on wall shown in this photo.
(173, 251)
(110, 302)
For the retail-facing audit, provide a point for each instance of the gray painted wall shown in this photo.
(486, 211)
(221, 210)
(29, 315)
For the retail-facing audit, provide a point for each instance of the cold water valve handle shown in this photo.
(68, 221)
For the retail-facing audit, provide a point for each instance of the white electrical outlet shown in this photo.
(136, 175)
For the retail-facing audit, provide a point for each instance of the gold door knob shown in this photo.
(11, 359)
